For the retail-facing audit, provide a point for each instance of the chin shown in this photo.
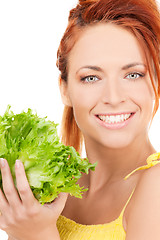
(117, 142)
(116, 146)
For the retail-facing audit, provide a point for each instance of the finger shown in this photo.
(3, 203)
(61, 199)
(59, 203)
(8, 184)
(23, 187)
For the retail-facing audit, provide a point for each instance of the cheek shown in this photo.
(143, 96)
(81, 107)
(141, 89)
(83, 101)
(83, 97)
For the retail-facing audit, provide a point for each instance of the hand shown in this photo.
(22, 216)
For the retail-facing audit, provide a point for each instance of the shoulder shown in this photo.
(150, 178)
(144, 216)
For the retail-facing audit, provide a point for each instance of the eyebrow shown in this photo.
(98, 69)
(133, 65)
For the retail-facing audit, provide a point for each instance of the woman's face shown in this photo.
(109, 86)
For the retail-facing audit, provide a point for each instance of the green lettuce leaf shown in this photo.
(50, 166)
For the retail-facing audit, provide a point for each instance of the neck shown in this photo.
(114, 164)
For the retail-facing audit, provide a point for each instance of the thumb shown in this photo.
(61, 200)
(58, 204)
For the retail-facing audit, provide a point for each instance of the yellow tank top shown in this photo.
(70, 230)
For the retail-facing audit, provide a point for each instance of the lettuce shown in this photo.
(50, 166)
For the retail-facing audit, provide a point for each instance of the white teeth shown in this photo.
(114, 118)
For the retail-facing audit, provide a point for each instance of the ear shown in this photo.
(64, 92)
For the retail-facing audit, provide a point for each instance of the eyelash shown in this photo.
(141, 75)
(83, 79)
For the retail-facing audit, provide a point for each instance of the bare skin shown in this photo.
(98, 204)
(99, 84)
(22, 216)
(115, 82)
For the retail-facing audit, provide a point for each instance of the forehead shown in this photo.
(106, 42)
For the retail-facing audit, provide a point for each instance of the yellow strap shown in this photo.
(152, 160)
(127, 203)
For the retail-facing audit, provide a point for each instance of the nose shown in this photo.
(113, 93)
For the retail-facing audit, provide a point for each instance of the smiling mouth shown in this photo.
(111, 119)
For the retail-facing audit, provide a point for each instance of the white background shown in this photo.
(30, 32)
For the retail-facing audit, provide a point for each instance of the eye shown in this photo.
(89, 79)
(135, 75)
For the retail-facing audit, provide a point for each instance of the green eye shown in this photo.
(89, 79)
(134, 75)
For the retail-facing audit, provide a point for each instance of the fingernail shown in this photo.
(2, 161)
(18, 163)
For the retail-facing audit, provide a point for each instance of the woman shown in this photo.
(109, 81)
(109, 63)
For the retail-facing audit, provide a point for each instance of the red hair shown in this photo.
(141, 17)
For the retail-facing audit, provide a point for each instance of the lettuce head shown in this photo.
(50, 166)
